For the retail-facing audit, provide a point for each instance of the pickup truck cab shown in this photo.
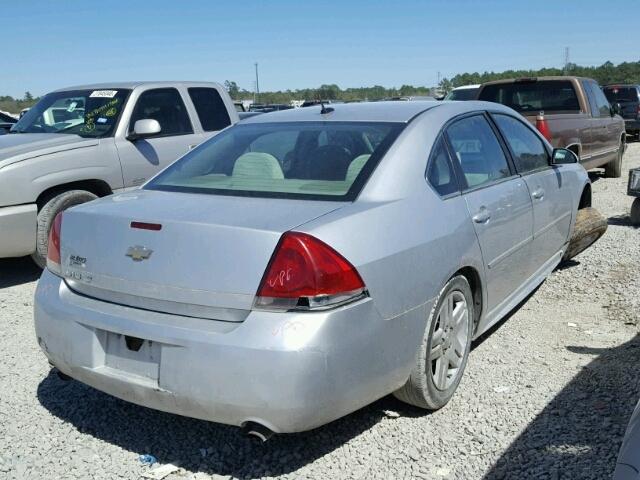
(80, 143)
(572, 112)
(626, 98)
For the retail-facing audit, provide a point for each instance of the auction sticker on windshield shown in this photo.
(103, 93)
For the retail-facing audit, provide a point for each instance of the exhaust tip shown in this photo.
(257, 431)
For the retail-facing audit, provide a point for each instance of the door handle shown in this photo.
(538, 194)
(482, 216)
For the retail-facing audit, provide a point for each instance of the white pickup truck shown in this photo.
(89, 141)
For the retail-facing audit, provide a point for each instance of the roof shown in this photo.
(468, 87)
(534, 79)
(131, 85)
(400, 112)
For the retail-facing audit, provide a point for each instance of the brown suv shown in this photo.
(571, 112)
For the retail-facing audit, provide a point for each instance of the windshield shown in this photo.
(621, 94)
(313, 160)
(533, 96)
(88, 113)
(462, 94)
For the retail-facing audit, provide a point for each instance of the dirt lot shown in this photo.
(547, 394)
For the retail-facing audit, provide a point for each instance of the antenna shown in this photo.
(324, 109)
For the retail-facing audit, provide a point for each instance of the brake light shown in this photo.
(305, 273)
(543, 126)
(53, 251)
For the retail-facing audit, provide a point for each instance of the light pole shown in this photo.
(257, 84)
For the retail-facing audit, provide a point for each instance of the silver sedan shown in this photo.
(305, 263)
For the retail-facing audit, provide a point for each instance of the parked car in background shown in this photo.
(466, 92)
(304, 263)
(571, 112)
(6, 122)
(269, 107)
(627, 98)
(80, 143)
(414, 98)
(628, 463)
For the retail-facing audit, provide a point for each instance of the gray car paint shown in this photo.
(33, 163)
(296, 370)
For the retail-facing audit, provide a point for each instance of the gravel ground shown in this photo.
(547, 394)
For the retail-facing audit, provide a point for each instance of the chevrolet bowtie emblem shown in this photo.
(139, 253)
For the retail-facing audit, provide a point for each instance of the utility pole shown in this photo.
(566, 60)
(257, 85)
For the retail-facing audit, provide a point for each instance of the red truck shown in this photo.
(571, 112)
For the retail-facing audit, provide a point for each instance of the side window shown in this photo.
(478, 151)
(211, 110)
(529, 153)
(601, 101)
(439, 171)
(166, 106)
(595, 112)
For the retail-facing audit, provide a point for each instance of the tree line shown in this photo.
(625, 72)
(15, 105)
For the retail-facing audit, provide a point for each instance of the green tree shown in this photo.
(232, 88)
(28, 97)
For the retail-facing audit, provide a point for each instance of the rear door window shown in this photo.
(601, 101)
(210, 107)
(166, 106)
(439, 171)
(477, 151)
(534, 96)
(529, 153)
(593, 105)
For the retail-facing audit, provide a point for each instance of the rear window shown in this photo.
(621, 94)
(534, 96)
(462, 94)
(211, 109)
(310, 160)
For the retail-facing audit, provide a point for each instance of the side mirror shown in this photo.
(144, 128)
(616, 109)
(562, 156)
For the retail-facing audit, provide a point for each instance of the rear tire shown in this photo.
(443, 353)
(613, 169)
(590, 226)
(48, 213)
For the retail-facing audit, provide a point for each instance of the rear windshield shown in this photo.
(462, 94)
(311, 160)
(621, 94)
(534, 96)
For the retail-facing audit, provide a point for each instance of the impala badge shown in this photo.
(139, 253)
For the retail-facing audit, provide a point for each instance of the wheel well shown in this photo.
(585, 198)
(472, 276)
(575, 148)
(97, 187)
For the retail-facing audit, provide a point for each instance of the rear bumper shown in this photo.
(18, 230)
(632, 125)
(288, 371)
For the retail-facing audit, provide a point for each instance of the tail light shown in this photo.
(305, 273)
(543, 126)
(53, 251)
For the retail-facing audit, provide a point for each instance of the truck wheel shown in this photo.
(48, 213)
(590, 226)
(635, 212)
(613, 169)
(444, 350)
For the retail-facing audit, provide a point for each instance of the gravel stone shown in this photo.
(547, 394)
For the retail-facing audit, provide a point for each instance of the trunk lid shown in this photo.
(206, 261)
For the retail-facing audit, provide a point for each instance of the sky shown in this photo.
(299, 44)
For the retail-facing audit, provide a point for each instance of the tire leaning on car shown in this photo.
(426, 387)
(47, 214)
(590, 226)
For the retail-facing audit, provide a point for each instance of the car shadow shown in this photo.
(622, 221)
(16, 271)
(585, 422)
(180, 440)
(594, 176)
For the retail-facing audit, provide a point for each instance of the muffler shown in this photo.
(255, 430)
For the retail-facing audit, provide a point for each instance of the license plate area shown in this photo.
(133, 356)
